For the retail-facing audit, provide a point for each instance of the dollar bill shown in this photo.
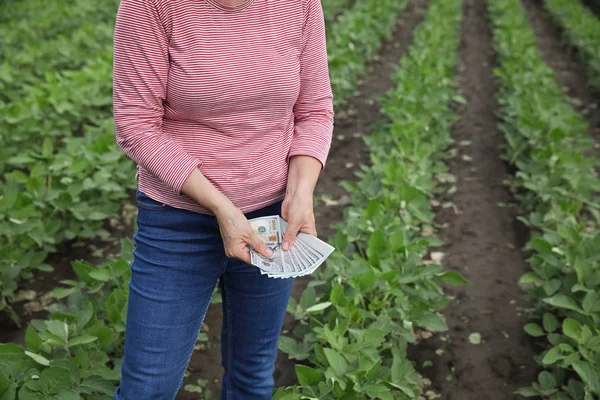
(305, 256)
(269, 230)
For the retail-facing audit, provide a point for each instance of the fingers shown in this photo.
(259, 246)
(311, 230)
(289, 237)
(244, 255)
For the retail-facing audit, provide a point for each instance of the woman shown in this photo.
(226, 107)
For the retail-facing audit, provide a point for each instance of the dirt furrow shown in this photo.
(569, 71)
(483, 243)
(348, 151)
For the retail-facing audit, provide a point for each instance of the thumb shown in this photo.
(259, 246)
(289, 237)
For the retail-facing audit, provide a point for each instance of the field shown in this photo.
(461, 194)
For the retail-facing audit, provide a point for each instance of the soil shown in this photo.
(569, 71)
(348, 151)
(483, 243)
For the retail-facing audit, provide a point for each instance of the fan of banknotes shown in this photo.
(303, 258)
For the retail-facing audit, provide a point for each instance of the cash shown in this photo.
(303, 258)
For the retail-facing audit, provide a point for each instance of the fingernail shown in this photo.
(269, 252)
(285, 246)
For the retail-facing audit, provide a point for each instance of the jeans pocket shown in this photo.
(148, 203)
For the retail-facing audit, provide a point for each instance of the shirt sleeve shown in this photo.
(140, 70)
(313, 110)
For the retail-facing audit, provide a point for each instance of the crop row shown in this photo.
(558, 187)
(63, 173)
(77, 350)
(354, 38)
(582, 31)
(379, 293)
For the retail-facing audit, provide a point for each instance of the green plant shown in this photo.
(76, 353)
(557, 184)
(354, 39)
(359, 314)
(582, 31)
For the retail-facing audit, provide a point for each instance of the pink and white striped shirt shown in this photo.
(232, 91)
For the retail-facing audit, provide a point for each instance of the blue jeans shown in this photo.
(178, 260)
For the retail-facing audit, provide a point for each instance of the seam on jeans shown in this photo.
(225, 262)
(229, 343)
(192, 351)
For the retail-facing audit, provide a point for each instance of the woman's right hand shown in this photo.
(237, 233)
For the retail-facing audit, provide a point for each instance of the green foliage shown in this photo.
(358, 315)
(76, 353)
(582, 31)
(355, 38)
(332, 9)
(61, 172)
(557, 184)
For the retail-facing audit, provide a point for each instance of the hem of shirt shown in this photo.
(195, 207)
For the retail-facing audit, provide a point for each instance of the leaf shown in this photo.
(337, 362)
(102, 275)
(528, 392)
(10, 351)
(562, 301)
(3, 383)
(47, 147)
(550, 323)
(591, 302)
(82, 270)
(534, 330)
(546, 380)
(287, 344)
(38, 358)
(337, 296)
(453, 278)
(376, 246)
(475, 338)
(589, 375)
(68, 394)
(308, 298)
(401, 367)
(433, 322)
(318, 307)
(32, 339)
(459, 99)
(99, 384)
(530, 278)
(540, 245)
(572, 329)
(84, 339)
(366, 281)
(58, 328)
(552, 356)
(61, 292)
(308, 376)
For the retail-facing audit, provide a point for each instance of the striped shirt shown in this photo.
(233, 91)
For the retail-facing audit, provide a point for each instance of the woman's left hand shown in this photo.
(298, 211)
